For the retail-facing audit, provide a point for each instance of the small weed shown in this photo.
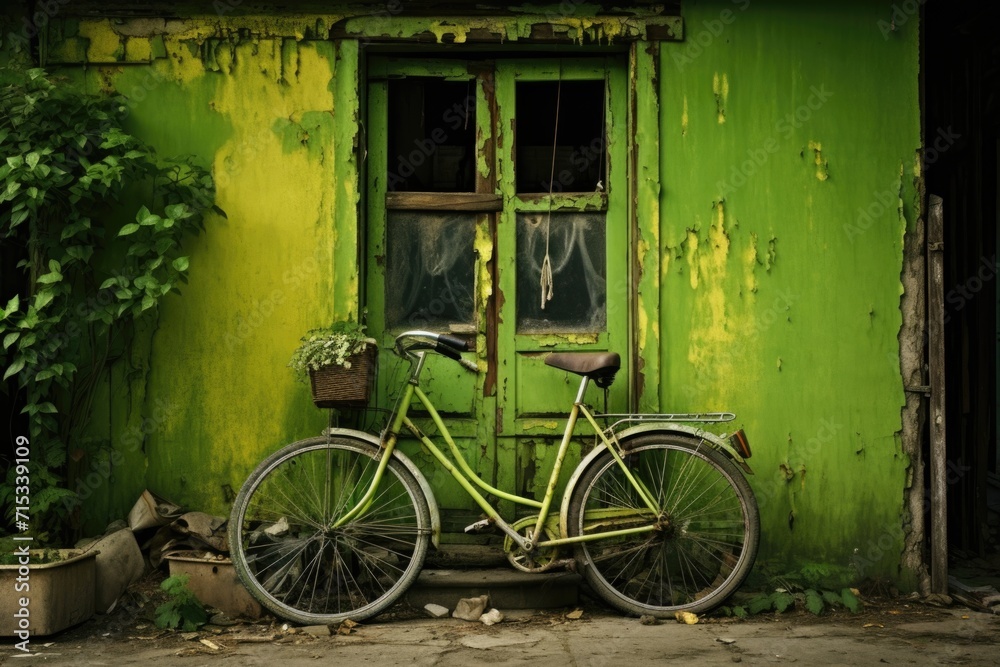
(782, 600)
(183, 610)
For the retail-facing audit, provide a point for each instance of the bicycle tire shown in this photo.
(707, 536)
(290, 558)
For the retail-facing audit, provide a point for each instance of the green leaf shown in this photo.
(32, 159)
(12, 306)
(850, 600)
(178, 211)
(164, 244)
(19, 217)
(43, 298)
(47, 408)
(180, 264)
(75, 228)
(831, 598)
(814, 602)
(145, 218)
(14, 368)
(782, 601)
(167, 616)
(130, 228)
(760, 603)
(10, 339)
(54, 266)
(49, 278)
(14, 162)
(110, 282)
(148, 302)
(739, 611)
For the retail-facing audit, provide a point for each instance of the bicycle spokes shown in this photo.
(699, 544)
(301, 562)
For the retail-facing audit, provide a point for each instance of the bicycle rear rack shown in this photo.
(626, 418)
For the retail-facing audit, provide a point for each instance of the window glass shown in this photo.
(579, 145)
(430, 270)
(576, 252)
(432, 129)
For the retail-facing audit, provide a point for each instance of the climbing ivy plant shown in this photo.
(88, 269)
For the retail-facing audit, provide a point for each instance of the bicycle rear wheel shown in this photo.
(290, 555)
(706, 535)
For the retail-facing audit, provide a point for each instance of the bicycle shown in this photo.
(658, 514)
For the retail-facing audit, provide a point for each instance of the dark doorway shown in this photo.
(961, 65)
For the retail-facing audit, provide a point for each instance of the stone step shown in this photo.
(508, 588)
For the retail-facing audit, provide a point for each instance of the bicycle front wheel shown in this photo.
(702, 540)
(297, 556)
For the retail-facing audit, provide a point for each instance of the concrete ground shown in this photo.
(886, 631)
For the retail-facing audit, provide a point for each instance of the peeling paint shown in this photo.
(271, 104)
(750, 262)
(441, 28)
(720, 88)
(784, 338)
(822, 165)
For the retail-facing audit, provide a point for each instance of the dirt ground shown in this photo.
(886, 630)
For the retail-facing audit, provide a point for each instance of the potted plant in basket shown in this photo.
(339, 361)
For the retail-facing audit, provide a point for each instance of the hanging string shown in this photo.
(546, 279)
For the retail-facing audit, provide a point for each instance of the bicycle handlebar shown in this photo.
(457, 343)
(447, 345)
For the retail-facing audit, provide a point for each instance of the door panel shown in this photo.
(567, 130)
(483, 177)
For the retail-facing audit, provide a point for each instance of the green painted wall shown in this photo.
(788, 147)
(207, 393)
(767, 288)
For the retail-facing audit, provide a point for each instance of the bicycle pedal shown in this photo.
(480, 526)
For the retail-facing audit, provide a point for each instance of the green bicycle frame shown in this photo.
(469, 481)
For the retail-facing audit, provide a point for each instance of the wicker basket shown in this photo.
(339, 387)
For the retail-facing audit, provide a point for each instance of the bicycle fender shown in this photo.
(432, 506)
(712, 439)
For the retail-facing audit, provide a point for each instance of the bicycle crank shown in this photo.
(539, 559)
